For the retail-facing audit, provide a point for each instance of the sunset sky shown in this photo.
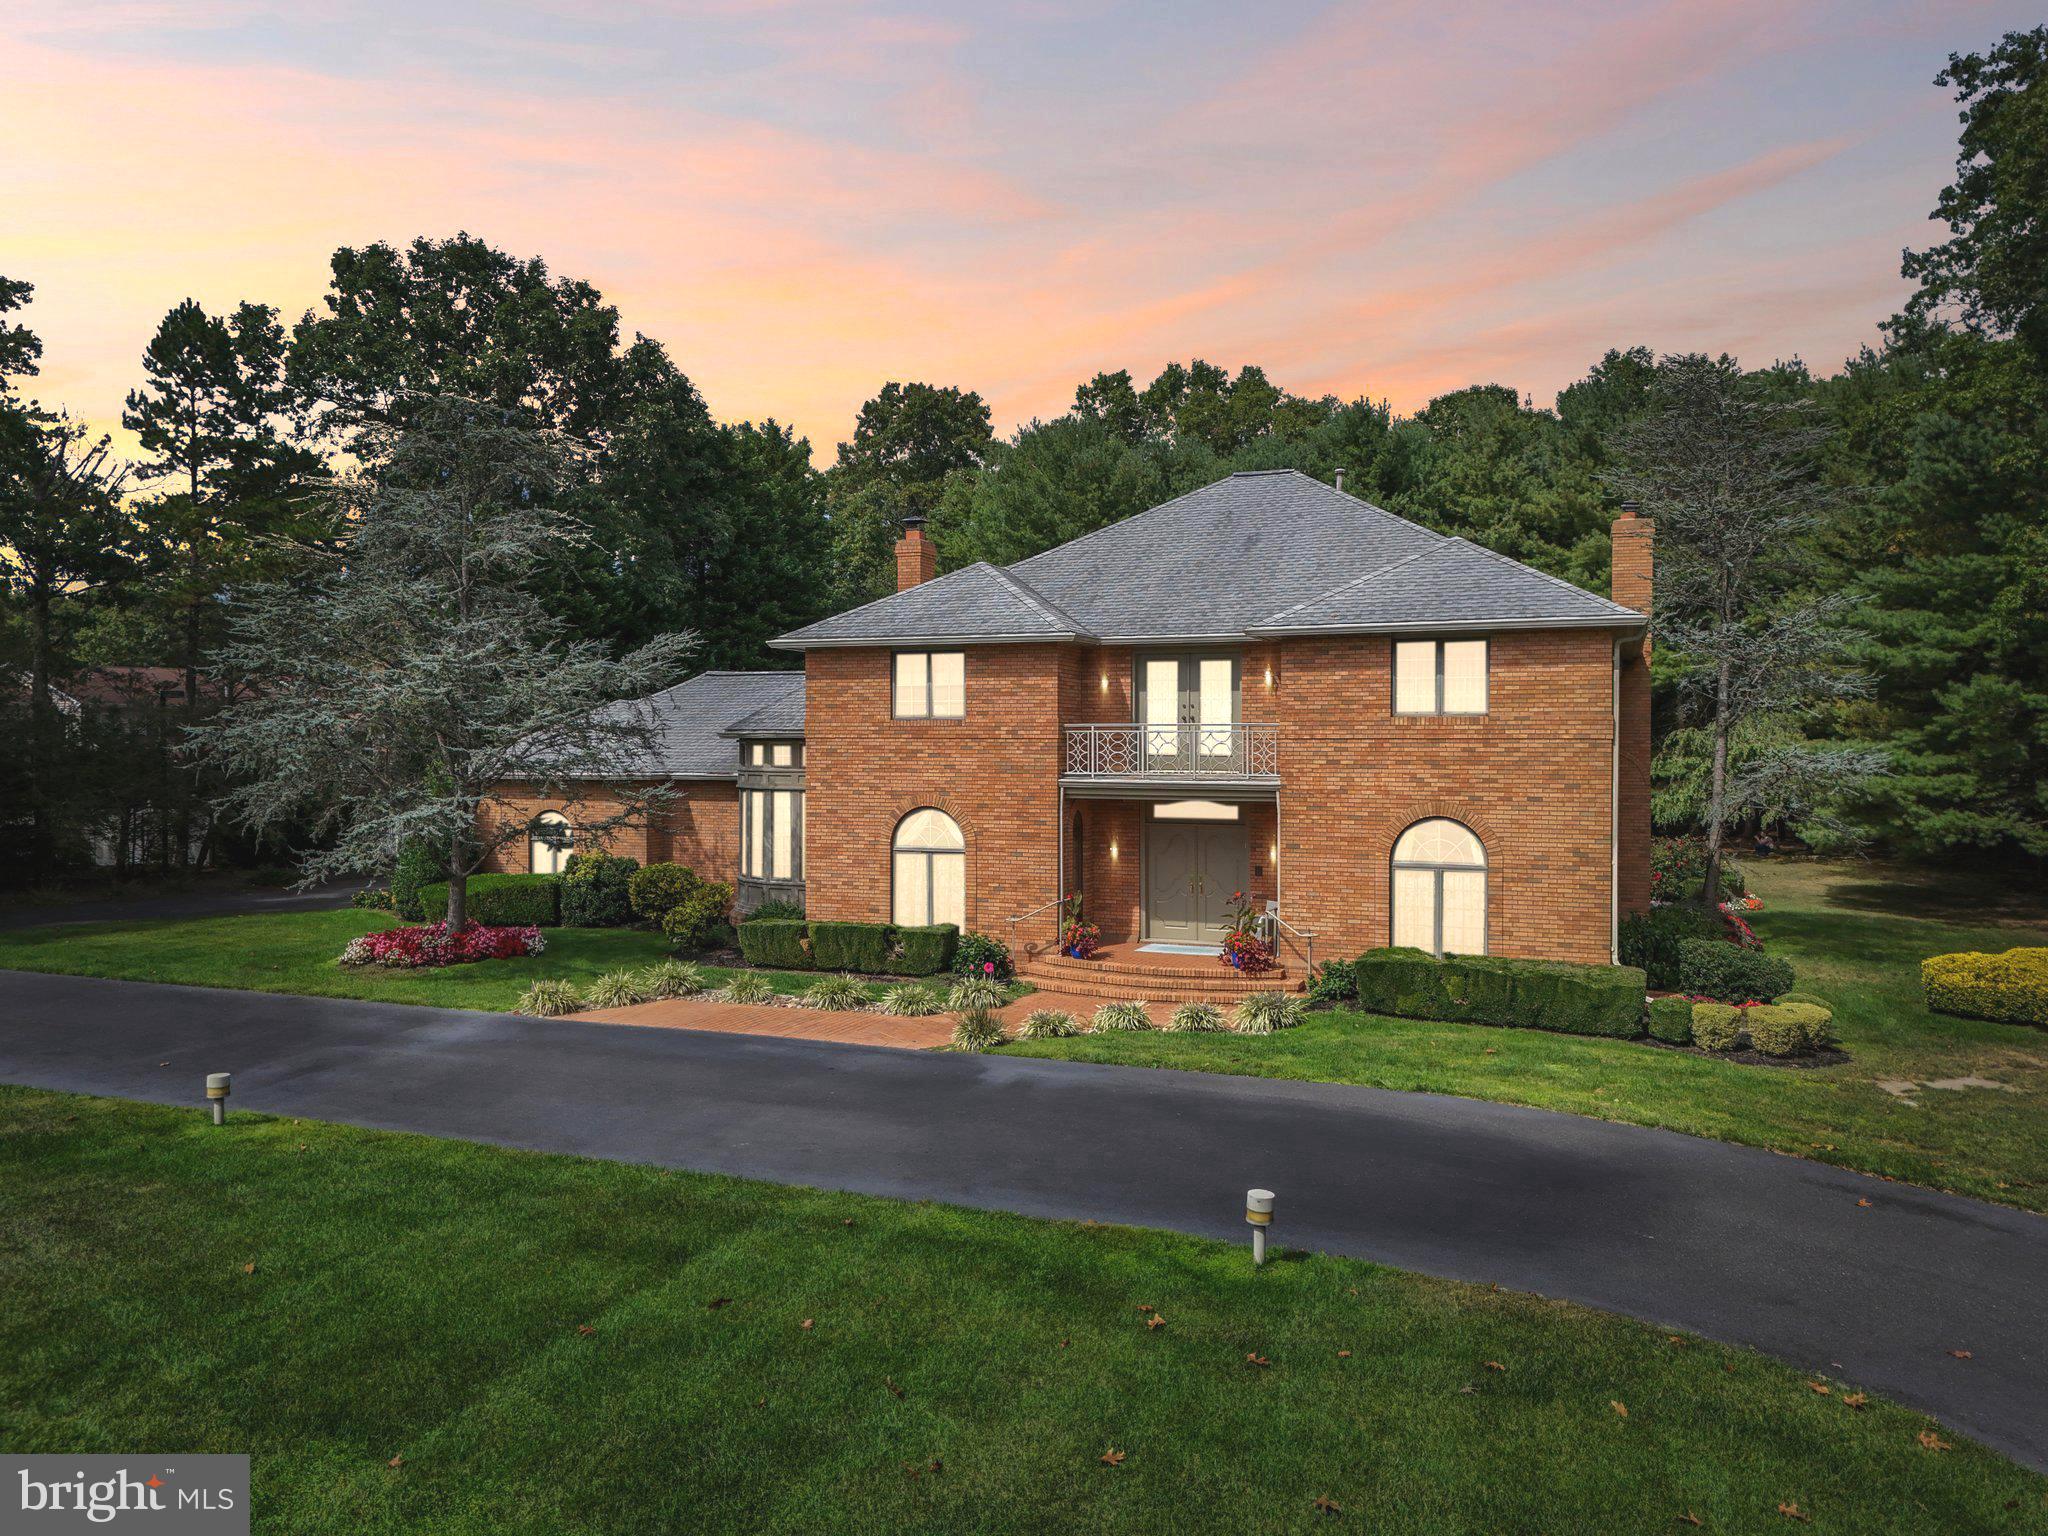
(806, 199)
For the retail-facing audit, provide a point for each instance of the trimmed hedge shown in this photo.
(860, 947)
(1728, 973)
(510, 901)
(1671, 1020)
(2011, 988)
(1481, 989)
(698, 920)
(925, 951)
(418, 866)
(776, 943)
(1716, 1026)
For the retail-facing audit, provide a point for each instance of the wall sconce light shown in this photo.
(1112, 848)
(1276, 853)
(1105, 682)
(1269, 674)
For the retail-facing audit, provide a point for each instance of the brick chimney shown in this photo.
(917, 558)
(1630, 584)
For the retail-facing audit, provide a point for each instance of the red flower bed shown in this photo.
(423, 947)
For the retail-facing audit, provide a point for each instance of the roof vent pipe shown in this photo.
(1340, 479)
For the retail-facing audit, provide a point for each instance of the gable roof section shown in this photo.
(1217, 559)
(782, 716)
(1269, 552)
(689, 722)
(1454, 584)
(979, 602)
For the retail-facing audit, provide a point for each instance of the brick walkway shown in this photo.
(822, 1024)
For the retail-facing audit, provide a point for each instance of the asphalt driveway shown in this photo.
(1869, 1282)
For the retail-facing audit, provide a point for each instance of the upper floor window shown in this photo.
(775, 754)
(1440, 677)
(931, 685)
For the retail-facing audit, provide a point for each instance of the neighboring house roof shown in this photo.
(689, 722)
(1258, 552)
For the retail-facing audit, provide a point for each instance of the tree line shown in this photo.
(1914, 571)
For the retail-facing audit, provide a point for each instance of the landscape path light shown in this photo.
(217, 1094)
(1258, 1211)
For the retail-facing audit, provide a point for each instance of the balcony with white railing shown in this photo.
(1208, 753)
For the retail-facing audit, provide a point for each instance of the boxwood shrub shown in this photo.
(698, 921)
(776, 943)
(654, 889)
(1651, 939)
(860, 947)
(596, 891)
(1728, 973)
(513, 901)
(1671, 1020)
(925, 951)
(1482, 989)
(2011, 988)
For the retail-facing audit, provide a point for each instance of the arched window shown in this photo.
(930, 859)
(1440, 889)
(549, 842)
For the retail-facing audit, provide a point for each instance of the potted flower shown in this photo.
(1078, 937)
(1245, 948)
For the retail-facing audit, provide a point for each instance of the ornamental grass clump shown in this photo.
(913, 1000)
(617, 989)
(1263, 1012)
(747, 987)
(977, 992)
(977, 1030)
(839, 994)
(1048, 1024)
(1111, 1017)
(549, 999)
(1197, 1019)
(672, 978)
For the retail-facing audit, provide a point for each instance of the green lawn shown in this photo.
(1855, 933)
(414, 1335)
(295, 952)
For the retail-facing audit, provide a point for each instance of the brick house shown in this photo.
(1381, 733)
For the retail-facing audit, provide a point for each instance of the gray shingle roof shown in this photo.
(1455, 584)
(781, 716)
(977, 602)
(1262, 551)
(690, 720)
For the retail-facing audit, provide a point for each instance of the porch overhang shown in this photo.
(1249, 789)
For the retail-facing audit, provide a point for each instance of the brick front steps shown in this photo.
(1121, 971)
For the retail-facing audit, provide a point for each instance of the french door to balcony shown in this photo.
(1188, 706)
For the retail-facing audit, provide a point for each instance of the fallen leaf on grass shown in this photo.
(1343, 1354)
(1690, 1518)
(1112, 1457)
(1495, 1365)
(249, 1268)
(1620, 1408)
(1855, 1399)
(1820, 1387)
(718, 1301)
(1793, 1512)
(1146, 1306)
(1675, 1339)
(396, 1461)
(1063, 1343)
(1326, 1505)
(1930, 1441)
(1256, 1358)
(585, 1329)
(891, 1385)
(805, 1325)
(1156, 1320)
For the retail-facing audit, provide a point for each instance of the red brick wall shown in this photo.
(1633, 570)
(1532, 777)
(700, 827)
(996, 773)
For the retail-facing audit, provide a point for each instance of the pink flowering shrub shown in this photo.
(424, 947)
